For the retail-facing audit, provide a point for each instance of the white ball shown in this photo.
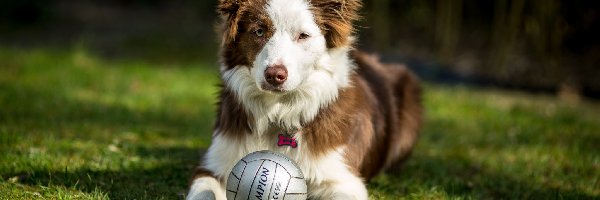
(266, 175)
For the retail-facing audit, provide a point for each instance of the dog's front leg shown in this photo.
(205, 187)
(338, 183)
(209, 177)
(351, 190)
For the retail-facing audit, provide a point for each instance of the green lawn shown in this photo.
(76, 126)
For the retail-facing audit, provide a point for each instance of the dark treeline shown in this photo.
(543, 44)
(539, 44)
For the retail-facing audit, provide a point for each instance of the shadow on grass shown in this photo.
(445, 167)
(35, 114)
(461, 178)
(165, 181)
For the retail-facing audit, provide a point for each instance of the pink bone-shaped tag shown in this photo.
(287, 140)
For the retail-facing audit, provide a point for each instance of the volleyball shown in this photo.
(266, 175)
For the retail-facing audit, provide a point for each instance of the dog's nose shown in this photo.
(276, 74)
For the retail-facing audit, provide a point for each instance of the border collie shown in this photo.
(289, 68)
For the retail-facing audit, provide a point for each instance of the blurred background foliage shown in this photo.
(536, 45)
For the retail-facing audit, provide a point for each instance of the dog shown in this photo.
(289, 66)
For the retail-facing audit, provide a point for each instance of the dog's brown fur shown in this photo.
(335, 19)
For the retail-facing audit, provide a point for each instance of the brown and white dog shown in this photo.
(288, 66)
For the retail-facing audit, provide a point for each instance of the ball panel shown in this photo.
(230, 194)
(296, 185)
(235, 175)
(278, 158)
(280, 183)
(263, 181)
(238, 169)
(232, 182)
(243, 189)
(292, 169)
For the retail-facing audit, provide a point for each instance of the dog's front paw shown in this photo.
(343, 196)
(202, 195)
(206, 188)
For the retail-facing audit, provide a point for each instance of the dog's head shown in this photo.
(278, 46)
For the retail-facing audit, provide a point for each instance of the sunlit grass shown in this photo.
(77, 126)
(82, 127)
(496, 144)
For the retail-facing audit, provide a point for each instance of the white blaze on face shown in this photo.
(315, 73)
(290, 18)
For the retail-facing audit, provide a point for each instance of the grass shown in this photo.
(76, 126)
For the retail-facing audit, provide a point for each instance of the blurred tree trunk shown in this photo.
(381, 23)
(548, 14)
(507, 25)
(546, 30)
(447, 28)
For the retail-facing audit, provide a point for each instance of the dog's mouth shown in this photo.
(270, 88)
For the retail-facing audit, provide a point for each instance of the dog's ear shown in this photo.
(229, 11)
(228, 7)
(335, 18)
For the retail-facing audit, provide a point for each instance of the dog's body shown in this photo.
(288, 67)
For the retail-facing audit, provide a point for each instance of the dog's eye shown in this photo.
(259, 32)
(303, 36)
